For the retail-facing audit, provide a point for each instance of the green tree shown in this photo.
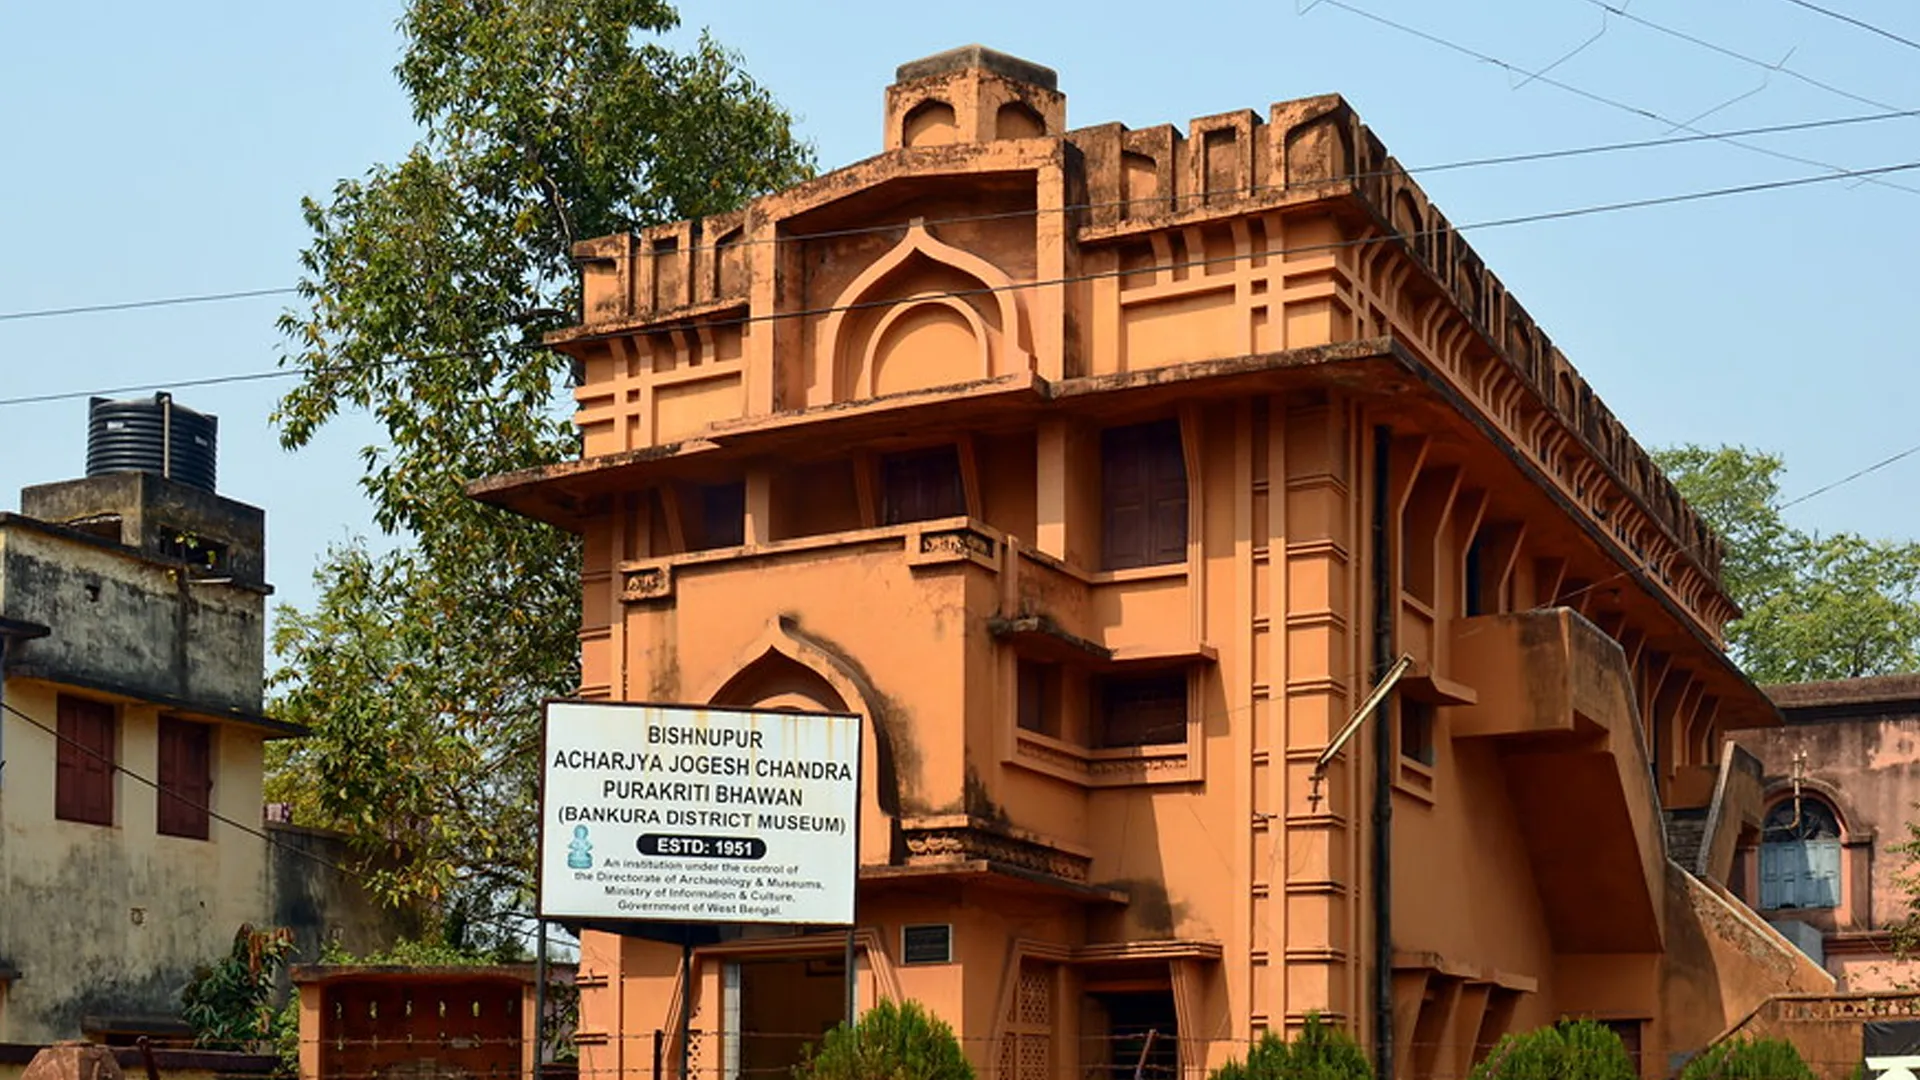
(226, 1004)
(889, 1042)
(425, 289)
(1581, 1050)
(1817, 606)
(1319, 1052)
(1749, 1059)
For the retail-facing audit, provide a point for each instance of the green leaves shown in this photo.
(1747, 1058)
(1319, 1052)
(1580, 1050)
(226, 1004)
(891, 1041)
(425, 290)
(1835, 606)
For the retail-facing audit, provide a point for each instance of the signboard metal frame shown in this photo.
(691, 924)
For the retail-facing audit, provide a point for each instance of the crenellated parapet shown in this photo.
(1002, 247)
(1453, 310)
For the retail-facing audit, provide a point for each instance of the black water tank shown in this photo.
(155, 437)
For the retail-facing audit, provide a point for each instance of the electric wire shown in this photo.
(1695, 551)
(1734, 54)
(260, 834)
(1601, 99)
(985, 290)
(1861, 23)
(1524, 157)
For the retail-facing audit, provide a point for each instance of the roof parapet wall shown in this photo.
(1305, 151)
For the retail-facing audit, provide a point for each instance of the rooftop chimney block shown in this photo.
(972, 95)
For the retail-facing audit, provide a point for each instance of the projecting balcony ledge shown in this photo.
(565, 492)
(991, 874)
(1556, 689)
(1041, 638)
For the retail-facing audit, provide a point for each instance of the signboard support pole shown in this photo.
(853, 984)
(686, 1002)
(540, 1000)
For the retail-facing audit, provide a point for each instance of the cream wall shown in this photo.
(111, 921)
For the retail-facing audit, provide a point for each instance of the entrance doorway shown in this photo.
(777, 1008)
(1130, 1033)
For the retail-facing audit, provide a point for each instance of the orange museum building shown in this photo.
(1102, 472)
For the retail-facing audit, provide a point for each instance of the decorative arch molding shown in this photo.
(869, 374)
(1782, 790)
(783, 639)
(853, 336)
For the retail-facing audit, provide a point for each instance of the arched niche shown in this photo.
(784, 669)
(925, 314)
(1018, 120)
(777, 681)
(930, 123)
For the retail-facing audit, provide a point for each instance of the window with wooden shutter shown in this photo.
(1143, 495)
(723, 516)
(1800, 856)
(1140, 710)
(1039, 697)
(84, 761)
(186, 778)
(923, 485)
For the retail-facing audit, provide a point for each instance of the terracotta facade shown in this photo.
(1103, 471)
(1840, 781)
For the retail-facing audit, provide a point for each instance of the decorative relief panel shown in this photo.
(969, 841)
(644, 584)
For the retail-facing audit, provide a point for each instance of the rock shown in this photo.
(73, 1061)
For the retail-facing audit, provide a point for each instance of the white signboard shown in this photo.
(676, 813)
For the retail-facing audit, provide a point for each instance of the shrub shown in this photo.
(1320, 1052)
(1582, 1050)
(1749, 1059)
(889, 1042)
(226, 1004)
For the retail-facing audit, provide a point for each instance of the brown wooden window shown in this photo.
(1140, 710)
(1143, 495)
(84, 762)
(1473, 584)
(1416, 730)
(723, 516)
(186, 778)
(1039, 704)
(1630, 1037)
(923, 485)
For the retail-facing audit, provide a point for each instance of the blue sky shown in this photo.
(162, 150)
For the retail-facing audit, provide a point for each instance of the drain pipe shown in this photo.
(1382, 761)
(3, 709)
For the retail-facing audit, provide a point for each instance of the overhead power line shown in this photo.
(1621, 11)
(1578, 91)
(1852, 476)
(1071, 279)
(1861, 23)
(201, 804)
(1519, 158)
(134, 305)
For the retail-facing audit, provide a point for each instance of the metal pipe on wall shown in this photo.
(1382, 759)
(3, 711)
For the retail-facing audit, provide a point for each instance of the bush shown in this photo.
(1749, 1059)
(227, 1003)
(1582, 1050)
(890, 1042)
(1320, 1052)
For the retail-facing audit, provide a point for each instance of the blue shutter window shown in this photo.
(1800, 856)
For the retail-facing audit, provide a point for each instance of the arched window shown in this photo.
(1800, 856)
